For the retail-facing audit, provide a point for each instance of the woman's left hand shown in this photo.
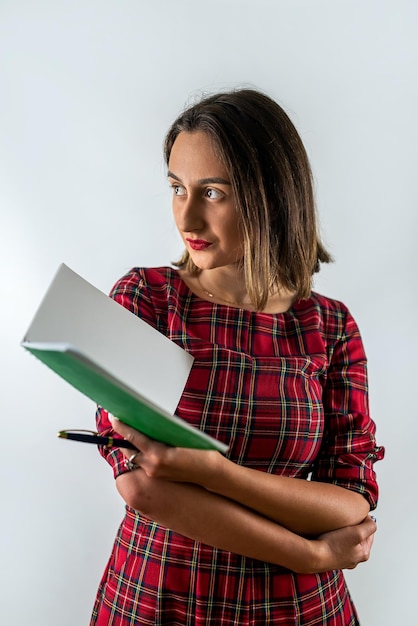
(159, 460)
(346, 547)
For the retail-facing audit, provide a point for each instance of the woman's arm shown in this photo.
(204, 516)
(304, 507)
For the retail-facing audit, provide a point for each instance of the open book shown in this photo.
(115, 358)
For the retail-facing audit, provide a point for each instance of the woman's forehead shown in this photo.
(193, 155)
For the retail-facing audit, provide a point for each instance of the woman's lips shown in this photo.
(198, 244)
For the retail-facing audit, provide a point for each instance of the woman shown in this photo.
(279, 375)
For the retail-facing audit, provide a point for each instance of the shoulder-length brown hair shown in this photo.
(272, 182)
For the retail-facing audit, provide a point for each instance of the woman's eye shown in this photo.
(178, 190)
(213, 194)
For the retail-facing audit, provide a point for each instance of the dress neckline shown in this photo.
(290, 311)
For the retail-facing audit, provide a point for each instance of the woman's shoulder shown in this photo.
(321, 306)
(151, 277)
(327, 304)
(331, 316)
(156, 285)
(147, 292)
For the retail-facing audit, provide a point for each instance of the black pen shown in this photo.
(89, 436)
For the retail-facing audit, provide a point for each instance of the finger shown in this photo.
(132, 459)
(129, 454)
(367, 527)
(139, 440)
(367, 547)
(372, 524)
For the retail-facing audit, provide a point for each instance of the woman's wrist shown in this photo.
(210, 474)
(317, 561)
(309, 558)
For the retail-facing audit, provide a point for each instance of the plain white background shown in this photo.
(87, 90)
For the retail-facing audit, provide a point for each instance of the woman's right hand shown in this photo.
(346, 547)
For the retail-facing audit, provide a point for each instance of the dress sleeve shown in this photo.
(349, 447)
(133, 293)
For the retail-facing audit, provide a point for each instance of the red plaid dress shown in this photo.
(288, 394)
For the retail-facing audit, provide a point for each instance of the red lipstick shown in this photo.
(198, 244)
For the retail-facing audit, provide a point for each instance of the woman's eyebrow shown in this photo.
(171, 175)
(216, 180)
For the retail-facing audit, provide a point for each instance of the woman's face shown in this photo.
(204, 205)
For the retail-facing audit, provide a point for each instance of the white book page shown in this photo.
(76, 313)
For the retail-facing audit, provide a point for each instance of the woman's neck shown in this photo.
(226, 285)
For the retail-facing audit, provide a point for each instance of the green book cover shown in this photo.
(115, 359)
(115, 397)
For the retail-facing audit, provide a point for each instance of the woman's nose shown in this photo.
(189, 215)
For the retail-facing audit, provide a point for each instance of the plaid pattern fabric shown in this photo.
(288, 394)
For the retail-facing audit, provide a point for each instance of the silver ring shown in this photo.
(130, 465)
